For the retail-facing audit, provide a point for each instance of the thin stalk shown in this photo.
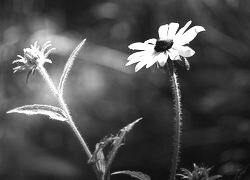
(177, 123)
(63, 105)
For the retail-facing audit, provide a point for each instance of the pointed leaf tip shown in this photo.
(36, 109)
(131, 125)
(68, 66)
(117, 141)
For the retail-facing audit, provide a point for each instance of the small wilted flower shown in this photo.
(171, 44)
(33, 57)
(199, 173)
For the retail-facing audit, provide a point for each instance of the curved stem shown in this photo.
(74, 128)
(177, 123)
(63, 105)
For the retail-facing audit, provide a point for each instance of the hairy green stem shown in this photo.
(63, 105)
(177, 124)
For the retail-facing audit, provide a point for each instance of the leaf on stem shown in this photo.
(68, 66)
(110, 145)
(51, 111)
(134, 174)
(98, 157)
(119, 141)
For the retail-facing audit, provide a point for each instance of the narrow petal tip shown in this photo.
(131, 62)
(127, 64)
(189, 22)
(130, 57)
(139, 66)
(199, 29)
(192, 52)
(131, 46)
(149, 65)
(137, 69)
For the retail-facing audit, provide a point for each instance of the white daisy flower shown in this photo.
(171, 44)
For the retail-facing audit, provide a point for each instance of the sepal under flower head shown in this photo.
(32, 58)
(170, 45)
(199, 173)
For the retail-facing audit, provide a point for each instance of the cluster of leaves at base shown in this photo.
(199, 173)
(106, 150)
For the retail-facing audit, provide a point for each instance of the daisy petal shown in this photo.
(16, 68)
(184, 51)
(163, 31)
(140, 65)
(18, 61)
(151, 41)
(162, 60)
(174, 54)
(182, 30)
(136, 55)
(139, 56)
(152, 61)
(189, 35)
(172, 30)
(134, 60)
(140, 46)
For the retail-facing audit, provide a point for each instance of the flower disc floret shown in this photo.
(170, 45)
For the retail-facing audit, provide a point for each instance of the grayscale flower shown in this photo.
(33, 57)
(171, 44)
(199, 173)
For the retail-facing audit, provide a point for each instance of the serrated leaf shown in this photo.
(51, 111)
(68, 66)
(118, 141)
(107, 148)
(134, 174)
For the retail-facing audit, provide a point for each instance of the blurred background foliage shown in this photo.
(104, 95)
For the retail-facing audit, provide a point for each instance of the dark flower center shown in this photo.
(163, 45)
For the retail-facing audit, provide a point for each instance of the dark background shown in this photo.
(104, 95)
